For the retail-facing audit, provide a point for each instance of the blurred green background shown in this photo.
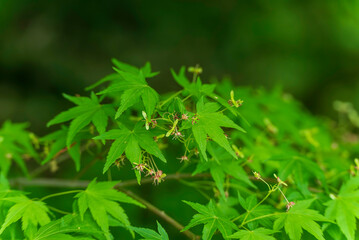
(311, 48)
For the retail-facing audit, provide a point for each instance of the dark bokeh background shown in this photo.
(311, 48)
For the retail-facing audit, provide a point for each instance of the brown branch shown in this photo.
(64, 183)
(63, 156)
(59, 183)
(161, 214)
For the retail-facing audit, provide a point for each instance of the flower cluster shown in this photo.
(183, 158)
(157, 176)
(177, 134)
(233, 102)
(194, 119)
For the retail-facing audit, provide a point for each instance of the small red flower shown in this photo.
(177, 134)
(194, 119)
(150, 172)
(184, 117)
(140, 166)
(158, 177)
(154, 123)
(289, 205)
(183, 158)
(257, 175)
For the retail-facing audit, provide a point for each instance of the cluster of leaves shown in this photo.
(220, 132)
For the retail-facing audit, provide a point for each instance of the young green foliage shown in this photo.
(200, 125)
(130, 142)
(64, 228)
(344, 208)
(131, 82)
(87, 110)
(32, 214)
(149, 234)
(209, 123)
(299, 217)
(212, 220)
(101, 199)
(15, 141)
(256, 234)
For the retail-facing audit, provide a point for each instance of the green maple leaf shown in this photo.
(299, 217)
(131, 143)
(32, 213)
(58, 140)
(15, 141)
(87, 110)
(195, 88)
(64, 227)
(212, 220)
(132, 83)
(302, 169)
(260, 210)
(149, 234)
(101, 199)
(198, 89)
(220, 167)
(256, 234)
(209, 123)
(116, 77)
(345, 208)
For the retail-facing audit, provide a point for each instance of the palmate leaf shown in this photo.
(131, 143)
(64, 227)
(88, 110)
(15, 141)
(212, 220)
(116, 77)
(261, 210)
(149, 234)
(132, 83)
(101, 199)
(58, 144)
(195, 88)
(302, 169)
(299, 217)
(32, 213)
(209, 123)
(256, 234)
(344, 208)
(222, 167)
(198, 89)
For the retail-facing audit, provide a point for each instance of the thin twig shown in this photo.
(64, 183)
(61, 158)
(161, 214)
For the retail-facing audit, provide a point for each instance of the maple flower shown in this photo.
(150, 172)
(196, 152)
(289, 205)
(280, 181)
(184, 116)
(177, 134)
(183, 158)
(139, 166)
(154, 123)
(194, 119)
(239, 102)
(158, 177)
(257, 175)
(119, 162)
